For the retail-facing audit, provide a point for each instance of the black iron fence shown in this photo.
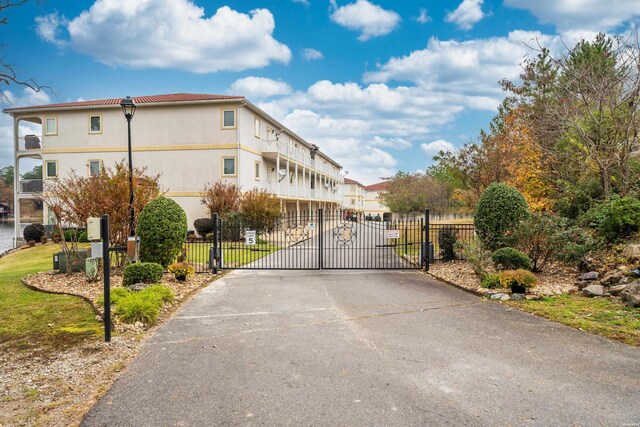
(445, 237)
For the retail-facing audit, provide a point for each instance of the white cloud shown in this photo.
(49, 28)
(310, 54)
(397, 143)
(468, 13)
(594, 15)
(423, 18)
(368, 18)
(432, 148)
(171, 34)
(259, 87)
(469, 69)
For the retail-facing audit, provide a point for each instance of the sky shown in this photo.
(380, 85)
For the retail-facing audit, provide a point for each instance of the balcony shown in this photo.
(30, 143)
(30, 186)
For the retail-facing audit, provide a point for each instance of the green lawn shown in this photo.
(30, 319)
(601, 316)
(236, 254)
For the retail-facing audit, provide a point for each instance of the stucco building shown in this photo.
(372, 205)
(190, 139)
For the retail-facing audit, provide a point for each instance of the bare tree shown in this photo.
(8, 75)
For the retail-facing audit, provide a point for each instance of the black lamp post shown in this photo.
(129, 109)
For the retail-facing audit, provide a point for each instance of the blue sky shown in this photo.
(380, 85)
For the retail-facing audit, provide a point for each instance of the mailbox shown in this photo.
(93, 229)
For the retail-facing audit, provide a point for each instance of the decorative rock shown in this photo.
(612, 277)
(631, 294)
(617, 289)
(500, 297)
(632, 252)
(483, 291)
(583, 284)
(139, 286)
(593, 291)
(592, 275)
(532, 297)
(517, 297)
(574, 290)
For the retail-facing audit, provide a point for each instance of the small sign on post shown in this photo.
(392, 234)
(311, 226)
(250, 237)
(133, 248)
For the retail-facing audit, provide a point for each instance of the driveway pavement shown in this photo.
(367, 348)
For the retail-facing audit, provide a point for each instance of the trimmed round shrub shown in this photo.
(497, 215)
(33, 232)
(615, 218)
(517, 278)
(491, 281)
(510, 259)
(142, 272)
(181, 270)
(447, 243)
(162, 227)
(70, 235)
(203, 226)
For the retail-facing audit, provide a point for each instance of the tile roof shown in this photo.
(351, 181)
(376, 187)
(150, 99)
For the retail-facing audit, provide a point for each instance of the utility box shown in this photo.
(56, 261)
(96, 250)
(93, 229)
(78, 262)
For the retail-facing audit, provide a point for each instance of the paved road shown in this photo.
(367, 348)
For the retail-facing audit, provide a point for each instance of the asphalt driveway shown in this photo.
(367, 348)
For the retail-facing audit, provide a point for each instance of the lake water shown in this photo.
(6, 236)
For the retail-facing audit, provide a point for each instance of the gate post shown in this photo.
(216, 251)
(426, 248)
(320, 234)
(106, 279)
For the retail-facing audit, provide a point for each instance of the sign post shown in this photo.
(104, 233)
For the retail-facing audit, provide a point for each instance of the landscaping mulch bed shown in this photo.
(56, 388)
(555, 280)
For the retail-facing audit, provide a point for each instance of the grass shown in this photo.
(601, 316)
(31, 319)
(236, 254)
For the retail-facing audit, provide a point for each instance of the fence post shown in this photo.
(216, 250)
(106, 262)
(427, 247)
(320, 234)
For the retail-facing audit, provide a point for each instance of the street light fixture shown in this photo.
(129, 109)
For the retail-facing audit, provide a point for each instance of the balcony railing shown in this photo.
(30, 143)
(30, 186)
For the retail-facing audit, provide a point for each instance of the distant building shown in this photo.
(190, 139)
(372, 205)
(353, 195)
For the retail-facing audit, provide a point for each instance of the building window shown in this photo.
(51, 169)
(256, 127)
(257, 171)
(313, 182)
(95, 123)
(228, 166)
(51, 126)
(228, 119)
(95, 167)
(353, 201)
(290, 178)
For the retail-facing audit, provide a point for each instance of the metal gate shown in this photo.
(315, 240)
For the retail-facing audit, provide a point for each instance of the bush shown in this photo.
(162, 228)
(477, 256)
(138, 307)
(517, 278)
(116, 295)
(614, 218)
(539, 237)
(142, 272)
(447, 243)
(33, 233)
(71, 235)
(491, 281)
(231, 228)
(573, 244)
(498, 213)
(203, 226)
(181, 270)
(143, 306)
(260, 209)
(510, 259)
(83, 237)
